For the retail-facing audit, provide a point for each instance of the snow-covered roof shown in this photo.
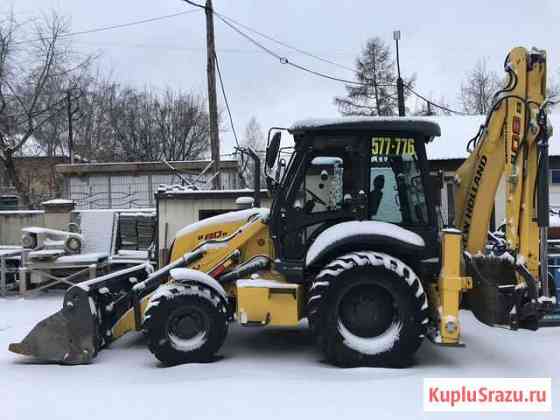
(58, 201)
(423, 126)
(457, 130)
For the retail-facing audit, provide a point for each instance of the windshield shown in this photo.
(396, 187)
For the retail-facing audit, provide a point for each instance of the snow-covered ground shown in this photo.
(264, 373)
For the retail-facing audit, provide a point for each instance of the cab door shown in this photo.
(330, 188)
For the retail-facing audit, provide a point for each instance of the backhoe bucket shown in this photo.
(84, 325)
(486, 300)
(498, 300)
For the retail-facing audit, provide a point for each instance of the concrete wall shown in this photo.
(133, 184)
(11, 223)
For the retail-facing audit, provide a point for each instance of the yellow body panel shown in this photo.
(450, 286)
(244, 241)
(269, 305)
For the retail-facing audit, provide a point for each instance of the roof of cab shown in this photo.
(411, 125)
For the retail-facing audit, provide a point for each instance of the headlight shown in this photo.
(73, 245)
(29, 241)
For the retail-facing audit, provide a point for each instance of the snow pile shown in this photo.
(372, 345)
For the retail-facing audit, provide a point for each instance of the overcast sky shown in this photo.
(441, 41)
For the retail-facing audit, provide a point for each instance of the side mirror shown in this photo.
(272, 150)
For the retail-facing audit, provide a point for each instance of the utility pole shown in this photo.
(70, 134)
(70, 112)
(212, 100)
(400, 84)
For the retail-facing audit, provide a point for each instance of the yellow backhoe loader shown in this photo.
(352, 242)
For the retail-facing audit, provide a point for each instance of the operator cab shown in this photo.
(368, 168)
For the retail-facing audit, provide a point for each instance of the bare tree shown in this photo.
(427, 108)
(33, 56)
(94, 137)
(376, 94)
(146, 126)
(478, 89)
(254, 138)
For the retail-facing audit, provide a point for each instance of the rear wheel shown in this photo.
(368, 308)
(185, 323)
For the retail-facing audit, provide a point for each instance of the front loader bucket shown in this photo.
(69, 336)
(84, 325)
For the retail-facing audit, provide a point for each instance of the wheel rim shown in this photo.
(187, 328)
(367, 310)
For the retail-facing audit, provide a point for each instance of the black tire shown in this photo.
(185, 324)
(368, 309)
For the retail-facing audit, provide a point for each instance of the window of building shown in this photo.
(555, 176)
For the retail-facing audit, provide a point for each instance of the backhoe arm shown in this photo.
(506, 147)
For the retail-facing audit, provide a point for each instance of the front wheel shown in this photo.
(369, 309)
(185, 323)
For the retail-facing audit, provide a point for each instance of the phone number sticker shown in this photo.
(391, 146)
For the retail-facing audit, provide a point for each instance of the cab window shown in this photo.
(396, 193)
(322, 188)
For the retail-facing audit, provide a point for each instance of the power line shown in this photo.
(226, 100)
(442, 107)
(285, 60)
(112, 27)
(284, 44)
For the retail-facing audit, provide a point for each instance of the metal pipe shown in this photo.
(543, 207)
(257, 176)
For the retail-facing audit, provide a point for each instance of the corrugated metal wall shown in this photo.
(128, 191)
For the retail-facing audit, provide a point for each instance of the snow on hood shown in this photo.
(344, 230)
(229, 217)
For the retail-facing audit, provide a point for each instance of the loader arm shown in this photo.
(100, 311)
